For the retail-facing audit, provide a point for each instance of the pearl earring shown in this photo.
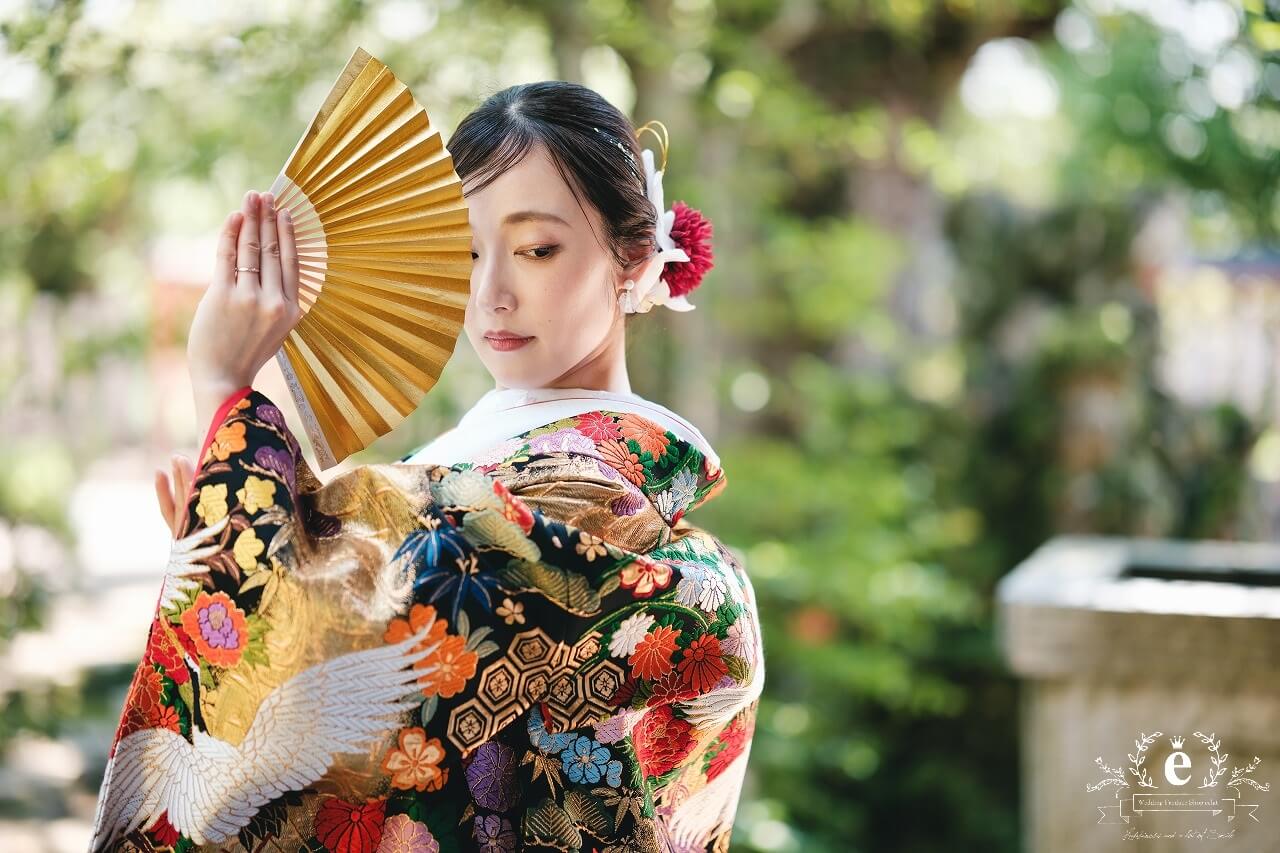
(625, 299)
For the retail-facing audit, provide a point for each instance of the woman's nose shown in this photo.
(488, 282)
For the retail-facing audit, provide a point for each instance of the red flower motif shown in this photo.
(350, 827)
(163, 649)
(702, 665)
(625, 693)
(733, 740)
(662, 740)
(598, 426)
(652, 658)
(513, 508)
(690, 231)
(670, 688)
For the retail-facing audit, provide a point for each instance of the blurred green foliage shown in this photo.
(909, 305)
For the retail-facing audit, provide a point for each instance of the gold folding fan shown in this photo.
(384, 248)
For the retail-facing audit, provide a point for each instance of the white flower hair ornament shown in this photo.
(683, 236)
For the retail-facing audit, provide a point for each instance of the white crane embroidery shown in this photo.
(211, 789)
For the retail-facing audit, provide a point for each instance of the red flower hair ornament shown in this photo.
(684, 246)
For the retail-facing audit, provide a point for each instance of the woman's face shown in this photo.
(542, 270)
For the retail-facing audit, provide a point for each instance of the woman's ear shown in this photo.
(638, 269)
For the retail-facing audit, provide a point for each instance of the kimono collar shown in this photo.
(500, 414)
(532, 405)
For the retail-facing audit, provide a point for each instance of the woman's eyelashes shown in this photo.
(549, 250)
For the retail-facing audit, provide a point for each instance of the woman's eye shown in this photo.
(548, 250)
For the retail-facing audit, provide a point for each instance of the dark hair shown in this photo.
(564, 117)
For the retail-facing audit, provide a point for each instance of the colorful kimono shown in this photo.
(535, 651)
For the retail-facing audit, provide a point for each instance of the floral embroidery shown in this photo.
(644, 576)
(598, 426)
(644, 432)
(416, 764)
(585, 760)
(702, 665)
(345, 827)
(662, 740)
(510, 611)
(629, 634)
(590, 546)
(256, 494)
(228, 439)
(617, 454)
(450, 665)
(247, 548)
(627, 668)
(494, 834)
(212, 506)
(699, 587)
(652, 657)
(218, 628)
(403, 834)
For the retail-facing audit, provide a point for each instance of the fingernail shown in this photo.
(287, 215)
(269, 203)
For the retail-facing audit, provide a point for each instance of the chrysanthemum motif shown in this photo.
(691, 231)
(701, 587)
(629, 634)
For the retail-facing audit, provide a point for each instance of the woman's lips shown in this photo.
(507, 344)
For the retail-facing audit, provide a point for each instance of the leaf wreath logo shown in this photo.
(1240, 776)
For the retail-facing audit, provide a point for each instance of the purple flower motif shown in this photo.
(279, 461)
(268, 413)
(628, 504)
(611, 472)
(217, 627)
(403, 834)
(567, 440)
(492, 775)
(494, 834)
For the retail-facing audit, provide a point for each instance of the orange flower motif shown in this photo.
(227, 440)
(645, 576)
(416, 764)
(645, 433)
(617, 454)
(652, 657)
(218, 628)
(164, 717)
(454, 665)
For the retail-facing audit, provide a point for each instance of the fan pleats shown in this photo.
(384, 250)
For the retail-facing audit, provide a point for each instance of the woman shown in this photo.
(511, 639)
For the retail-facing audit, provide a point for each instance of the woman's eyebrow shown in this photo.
(530, 215)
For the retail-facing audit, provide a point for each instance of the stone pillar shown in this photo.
(1145, 662)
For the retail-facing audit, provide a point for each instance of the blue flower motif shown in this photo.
(587, 761)
(541, 738)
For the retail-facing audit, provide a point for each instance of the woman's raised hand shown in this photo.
(244, 316)
(173, 495)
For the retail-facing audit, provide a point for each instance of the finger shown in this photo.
(288, 257)
(270, 252)
(224, 265)
(165, 497)
(182, 480)
(247, 248)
